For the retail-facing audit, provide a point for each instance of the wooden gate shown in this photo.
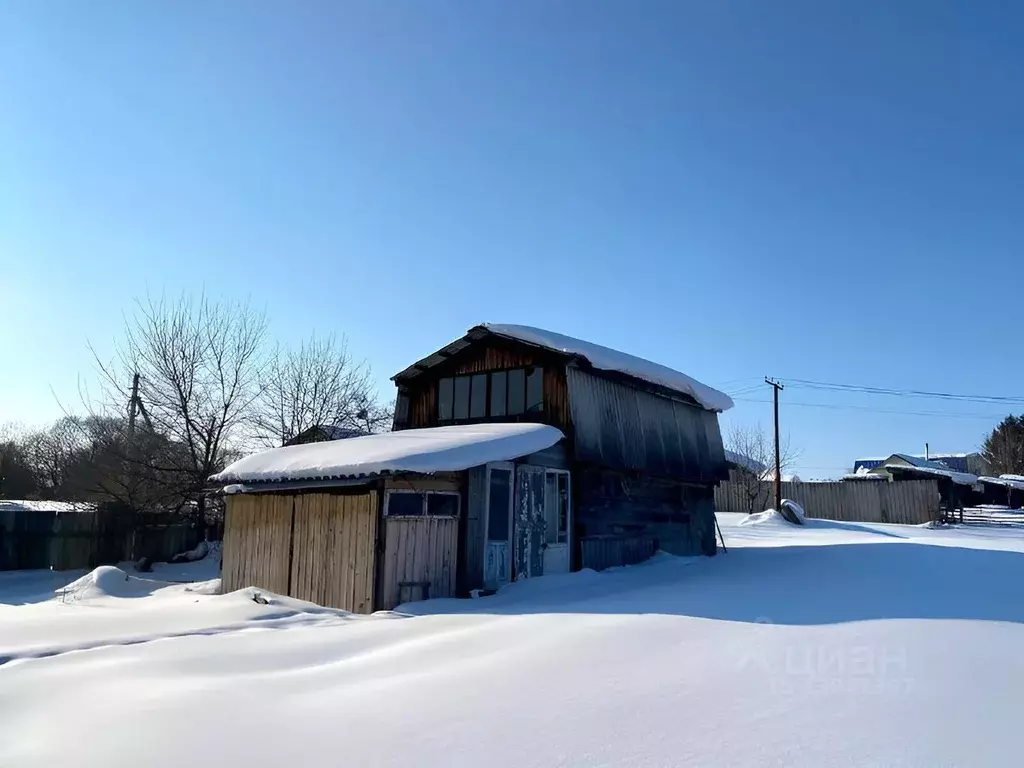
(422, 553)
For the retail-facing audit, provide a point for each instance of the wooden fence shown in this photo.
(66, 540)
(318, 547)
(910, 502)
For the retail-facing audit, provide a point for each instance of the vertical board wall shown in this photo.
(314, 546)
(419, 549)
(257, 537)
(332, 560)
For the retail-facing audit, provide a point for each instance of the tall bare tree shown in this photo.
(754, 457)
(317, 384)
(199, 363)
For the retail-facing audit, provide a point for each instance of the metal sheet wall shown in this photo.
(621, 427)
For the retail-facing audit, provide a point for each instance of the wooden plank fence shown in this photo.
(68, 540)
(910, 502)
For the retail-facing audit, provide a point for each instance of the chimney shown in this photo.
(926, 458)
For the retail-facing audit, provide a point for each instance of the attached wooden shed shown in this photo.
(366, 523)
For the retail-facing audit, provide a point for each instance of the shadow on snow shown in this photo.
(796, 585)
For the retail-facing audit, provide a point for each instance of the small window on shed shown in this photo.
(442, 505)
(461, 397)
(516, 391)
(478, 399)
(499, 381)
(445, 399)
(534, 390)
(405, 504)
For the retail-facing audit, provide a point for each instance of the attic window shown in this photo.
(497, 394)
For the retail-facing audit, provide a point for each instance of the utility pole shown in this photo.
(133, 405)
(776, 386)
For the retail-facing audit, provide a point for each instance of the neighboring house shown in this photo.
(1005, 490)
(517, 452)
(742, 462)
(970, 463)
(323, 432)
(955, 488)
(768, 476)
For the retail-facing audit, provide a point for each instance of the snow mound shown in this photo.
(768, 517)
(108, 581)
(211, 587)
(792, 512)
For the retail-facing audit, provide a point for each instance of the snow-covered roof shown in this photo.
(607, 359)
(742, 460)
(1010, 481)
(931, 468)
(437, 449)
(30, 505)
(937, 456)
(769, 476)
(858, 475)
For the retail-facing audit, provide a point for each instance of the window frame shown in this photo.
(423, 514)
(561, 537)
(487, 390)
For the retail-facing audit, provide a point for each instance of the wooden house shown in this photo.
(558, 455)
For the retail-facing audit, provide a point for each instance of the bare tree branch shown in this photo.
(316, 385)
(755, 461)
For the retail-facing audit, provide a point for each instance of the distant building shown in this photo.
(973, 463)
(741, 461)
(321, 433)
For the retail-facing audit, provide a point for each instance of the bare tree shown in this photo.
(316, 385)
(56, 453)
(199, 362)
(17, 477)
(754, 463)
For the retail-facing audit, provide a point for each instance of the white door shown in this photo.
(557, 521)
(498, 536)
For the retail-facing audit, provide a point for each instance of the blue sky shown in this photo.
(830, 191)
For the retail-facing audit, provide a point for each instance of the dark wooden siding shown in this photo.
(611, 503)
(471, 574)
(491, 355)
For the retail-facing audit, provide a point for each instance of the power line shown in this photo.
(862, 389)
(844, 407)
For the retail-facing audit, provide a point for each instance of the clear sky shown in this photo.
(820, 190)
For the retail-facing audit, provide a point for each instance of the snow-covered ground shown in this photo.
(825, 645)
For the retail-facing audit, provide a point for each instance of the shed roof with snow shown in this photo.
(426, 451)
(594, 355)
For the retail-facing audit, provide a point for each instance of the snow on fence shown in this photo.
(910, 502)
